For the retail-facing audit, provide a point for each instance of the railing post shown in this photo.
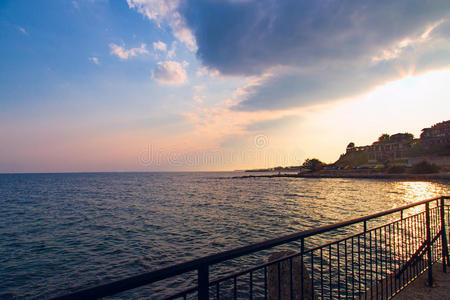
(203, 282)
(430, 264)
(302, 279)
(445, 258)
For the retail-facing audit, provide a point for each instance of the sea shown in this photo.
(62, 232)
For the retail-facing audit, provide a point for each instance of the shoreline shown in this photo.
(419, 177)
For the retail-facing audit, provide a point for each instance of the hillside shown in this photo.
(353, 159)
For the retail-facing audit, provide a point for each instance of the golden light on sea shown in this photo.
(413, 191)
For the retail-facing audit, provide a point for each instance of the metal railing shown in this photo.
(376, 262)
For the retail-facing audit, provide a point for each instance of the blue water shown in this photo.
(62, 231)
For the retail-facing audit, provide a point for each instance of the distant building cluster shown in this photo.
(402, 145)
(438, 134)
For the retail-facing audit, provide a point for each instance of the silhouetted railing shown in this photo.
(376, 262)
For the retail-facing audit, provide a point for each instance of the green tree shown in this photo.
(384, 138)
(410, 136)
(313, 164)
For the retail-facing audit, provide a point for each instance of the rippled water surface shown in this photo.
(62, 231)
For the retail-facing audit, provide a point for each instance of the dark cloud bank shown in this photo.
(325, 48)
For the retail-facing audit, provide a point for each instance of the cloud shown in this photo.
(170, 72)
(199, 99)
(317, 50)
(124, 54)
(273, 124)
(247, 37)
(171, 52)
(21, 29)
(94, 60)
(202, 71)
(160, 46)
(199, 88)
(166, 11)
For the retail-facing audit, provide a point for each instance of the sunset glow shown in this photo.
(145, 85)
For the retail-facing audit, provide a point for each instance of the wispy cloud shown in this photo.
(23, 30)
(170, 72)
(199, 88)
(94, 60)
(399, 48)
(171, 52)
(124, 54)
(199, 99)
(160, 46)
(202, 71)
(166, 11)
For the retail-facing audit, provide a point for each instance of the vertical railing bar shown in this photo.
(203, 282)
(435, 233)
(331, 286)
(415, 244)
(411, 246)
(279, 280)
(251, 285)
(365, 260)
(438, 232)
(390, 261)
(353, 268)
(218, 290)
(430, 265)
(312, 275)
(376, 263)
(265, 283)
(321, 273)
(432, 235)
(386, 257)
(444, 238)
(380, 275)
(290, 279)
(359, 266)
(371, 265)
(448, 223)
(382, 263)
(398, 256)
(423, 238)
(338, 271)
(408, 247)
(302, 263)
(404, 259)
(235, 287)
(419, 239)
(346, 270)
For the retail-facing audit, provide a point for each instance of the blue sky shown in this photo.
(90, 85)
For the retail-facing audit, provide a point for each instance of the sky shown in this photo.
(209, 85)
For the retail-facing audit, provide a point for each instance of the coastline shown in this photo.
(417, 177)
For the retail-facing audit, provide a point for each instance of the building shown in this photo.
(396, 147)
(436, 135)
(399, 146)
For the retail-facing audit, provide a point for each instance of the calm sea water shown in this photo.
(62, 231)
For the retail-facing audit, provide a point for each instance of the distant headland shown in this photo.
(392, 156)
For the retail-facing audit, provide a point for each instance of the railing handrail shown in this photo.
(136, 281)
